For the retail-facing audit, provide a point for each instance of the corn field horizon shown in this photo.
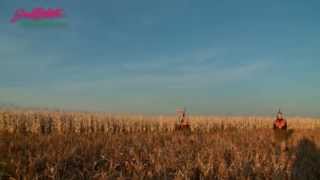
(40, 144)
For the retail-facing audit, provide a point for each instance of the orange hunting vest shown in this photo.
(280, 124)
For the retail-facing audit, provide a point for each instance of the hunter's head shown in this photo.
(279, 115)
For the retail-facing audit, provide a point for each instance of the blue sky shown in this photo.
(213, 57)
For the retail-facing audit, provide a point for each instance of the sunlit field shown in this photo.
(76, 145)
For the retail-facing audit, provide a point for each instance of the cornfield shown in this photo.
(79, 145)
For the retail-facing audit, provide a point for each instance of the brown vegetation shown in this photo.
(60, 145)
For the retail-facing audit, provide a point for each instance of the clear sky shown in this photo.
(151, 56)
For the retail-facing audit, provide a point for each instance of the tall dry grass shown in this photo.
(74, 145)
(61, 122)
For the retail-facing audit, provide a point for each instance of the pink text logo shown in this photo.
(37, 14)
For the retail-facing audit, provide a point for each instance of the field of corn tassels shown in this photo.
(78, 145)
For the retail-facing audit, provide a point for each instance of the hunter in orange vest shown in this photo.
(280, 122)
(280, 131)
